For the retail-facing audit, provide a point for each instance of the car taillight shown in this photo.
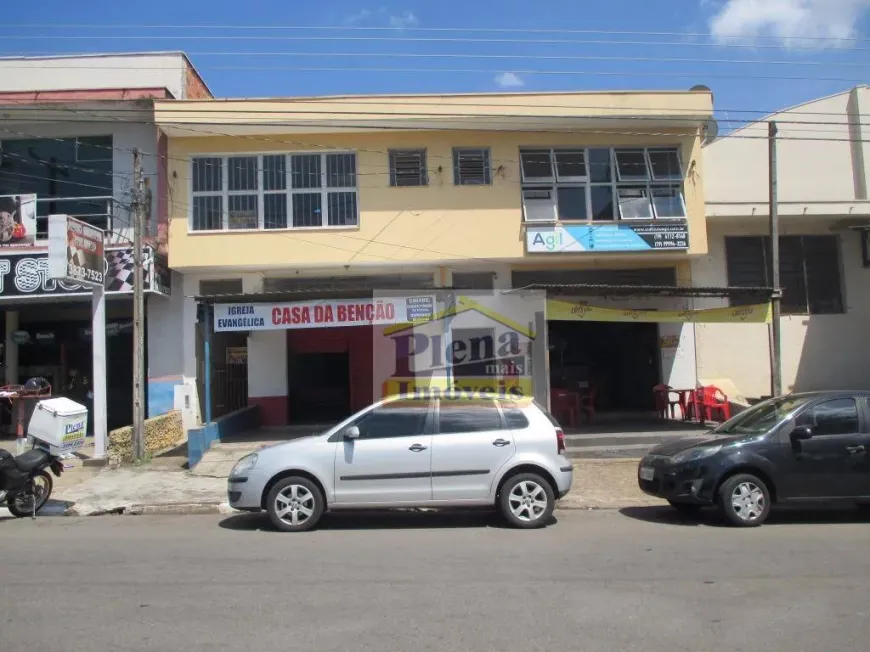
(560, 440)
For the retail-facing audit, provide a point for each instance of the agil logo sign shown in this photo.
(550, 241)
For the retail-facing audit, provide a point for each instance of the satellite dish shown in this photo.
(711, 131)
(701, 87)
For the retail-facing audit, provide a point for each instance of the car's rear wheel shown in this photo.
(744, 500)
(295, 504)
(527, 501)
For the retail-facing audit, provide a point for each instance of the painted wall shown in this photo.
(833, 167)
(94, 72)
(267, 375)
(165, 348)
(822, 185)
(438, 222)
(818, 351)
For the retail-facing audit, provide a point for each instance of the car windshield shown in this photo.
(760, 418)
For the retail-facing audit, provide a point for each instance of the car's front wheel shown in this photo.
(295, 504)
(744, 500)
(527, 501)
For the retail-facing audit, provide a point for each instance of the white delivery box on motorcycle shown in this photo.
(60, 424)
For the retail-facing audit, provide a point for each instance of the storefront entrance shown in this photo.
(61, 352)
(319, 387)
(617, 362)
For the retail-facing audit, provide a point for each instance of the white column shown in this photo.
(11, 348)
(98, 329)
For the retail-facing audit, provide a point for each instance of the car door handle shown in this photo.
(855, 450)
(500, 442)
(417, 448)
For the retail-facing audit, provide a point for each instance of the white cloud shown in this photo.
(789, 19)
(404, 20)
(509, 80)
(359, 17)
(382, 15)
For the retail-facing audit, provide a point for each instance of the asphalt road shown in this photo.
(639, 580)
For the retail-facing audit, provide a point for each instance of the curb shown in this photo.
(180, 509)
(191, 509)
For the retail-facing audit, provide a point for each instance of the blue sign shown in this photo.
(673, 234)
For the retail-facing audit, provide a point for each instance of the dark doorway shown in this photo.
(619, 360)
(319, 387)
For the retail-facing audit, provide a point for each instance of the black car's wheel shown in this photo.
(527, 501)
(688, 509)
(744, 500)
(295, 504)
(38, 489)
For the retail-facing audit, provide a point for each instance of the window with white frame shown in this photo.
(274, 191)
(602, 184)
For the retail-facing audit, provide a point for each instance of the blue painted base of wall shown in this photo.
(199, 440)
(161, 395)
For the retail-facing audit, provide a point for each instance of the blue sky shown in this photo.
(789, 31)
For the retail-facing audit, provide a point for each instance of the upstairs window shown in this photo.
(809, 269)
(408, 167)
(274, 191)
(602, 184)
(471, 167)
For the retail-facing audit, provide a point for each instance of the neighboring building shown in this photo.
(340, 198)
(68, 130)
(823, 176)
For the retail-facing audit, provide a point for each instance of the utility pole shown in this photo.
(138, 311)
(775, 332)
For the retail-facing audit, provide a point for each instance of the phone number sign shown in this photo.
(76, 251)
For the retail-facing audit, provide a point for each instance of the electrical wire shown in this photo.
(390, 100)
(530, 57)
(366, 28)
(403, 39)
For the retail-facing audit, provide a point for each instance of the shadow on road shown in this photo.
(380, 520)
(779, 516)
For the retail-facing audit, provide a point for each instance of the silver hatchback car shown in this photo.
(413, 452)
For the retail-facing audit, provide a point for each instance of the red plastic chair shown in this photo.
(565, 406)
(714, 400)
(665, 404)
(587, 403)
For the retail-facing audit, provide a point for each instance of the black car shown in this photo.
(806, 447)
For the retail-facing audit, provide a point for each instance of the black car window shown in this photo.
(395, 419)
(514, 417)
(468, 416)
(838, 416)
(760, 418)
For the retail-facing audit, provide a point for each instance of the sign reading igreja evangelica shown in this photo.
(477, 345)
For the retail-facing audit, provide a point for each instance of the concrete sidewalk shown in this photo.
(598, 484)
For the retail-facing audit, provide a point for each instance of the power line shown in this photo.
(479, 71)
(528, 57)
(394, 29)
(418, 39)
(390, 100)
(205, 108)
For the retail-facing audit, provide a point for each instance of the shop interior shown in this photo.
(59, 350)
(616, 365)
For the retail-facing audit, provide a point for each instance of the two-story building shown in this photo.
(823, 173)
(68, 131)
(279, 205)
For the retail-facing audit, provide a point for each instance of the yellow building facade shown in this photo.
(481, 192)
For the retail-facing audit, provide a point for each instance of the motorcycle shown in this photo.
(25, 483)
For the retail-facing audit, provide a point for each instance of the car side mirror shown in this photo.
(351, 433)
(802, 432)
